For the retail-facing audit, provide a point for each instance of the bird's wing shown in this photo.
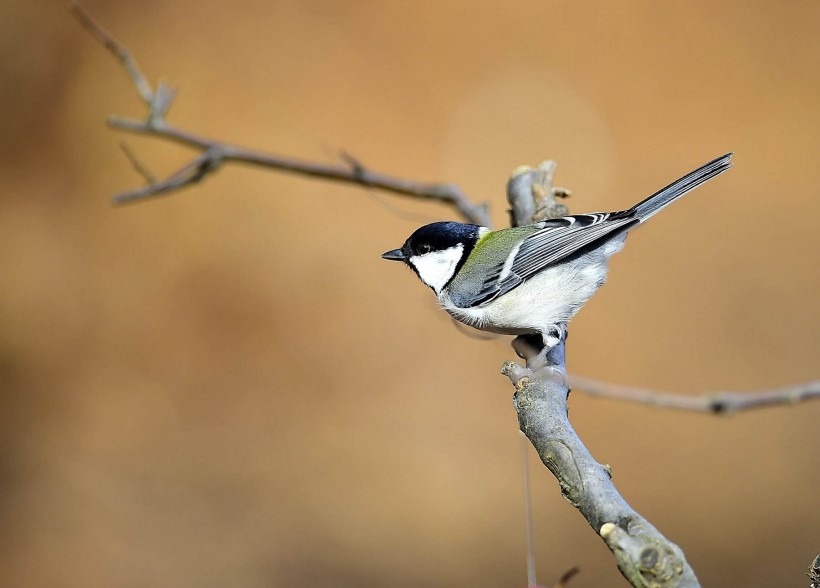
(554, 242)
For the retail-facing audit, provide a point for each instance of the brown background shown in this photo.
(227, 387)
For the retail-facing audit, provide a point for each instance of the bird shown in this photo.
(531, 280)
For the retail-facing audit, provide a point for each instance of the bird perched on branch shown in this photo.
(531, 279)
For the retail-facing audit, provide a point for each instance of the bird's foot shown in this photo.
(536, 348)
(551, 358)
(556, 334)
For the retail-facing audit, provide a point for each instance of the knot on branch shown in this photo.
(643, 559)
(532, 196)
(519, 375)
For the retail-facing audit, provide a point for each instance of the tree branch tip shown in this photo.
(116, 121)
(508, 367)
(126, 198)
(350, 160)
(163, 98)
(77, 10)
(568, 575)
(521, 170)
(519, 375)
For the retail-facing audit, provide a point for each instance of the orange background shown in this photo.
(228, 387)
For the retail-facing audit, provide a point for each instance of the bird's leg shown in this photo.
(544, 352)
(535, 347)
(539, 348)
(553, 336)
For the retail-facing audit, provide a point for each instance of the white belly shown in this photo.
(552, 296)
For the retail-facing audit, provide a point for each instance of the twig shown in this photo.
(532, 196)
(117, 50)
(138, 166)
(644, 556)
(714, 403)
(216, 152)
(563, 581)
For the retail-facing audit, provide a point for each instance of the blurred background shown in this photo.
(228, 387)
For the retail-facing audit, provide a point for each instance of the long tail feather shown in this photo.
(646, 208)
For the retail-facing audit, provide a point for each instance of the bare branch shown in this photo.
(563, 581)
(138, 166)
(217, 152)
(644, 556)
(714, 402)
(447, 193)
(191, 173)
(117, 50)
(532, 196)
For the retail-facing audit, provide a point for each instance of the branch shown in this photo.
(532, 196)
(215, 153)
(714, 402)
(138, 166)
(120, 52)
(644, 556)
(563, 581)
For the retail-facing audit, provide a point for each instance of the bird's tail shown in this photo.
(646, 208)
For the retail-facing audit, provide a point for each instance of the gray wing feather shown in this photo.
(555, 242)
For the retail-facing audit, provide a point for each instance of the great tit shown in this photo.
(531, 279)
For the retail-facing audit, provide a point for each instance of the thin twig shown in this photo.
(563, 581)
(138, 166)
(532, 196)
(714, 402)
(447, 193)
(217, 152)
(117, 50)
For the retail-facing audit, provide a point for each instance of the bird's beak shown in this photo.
(394, 255)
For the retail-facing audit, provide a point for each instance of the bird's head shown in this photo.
(437, 251)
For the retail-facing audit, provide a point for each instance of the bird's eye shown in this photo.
(425, 248)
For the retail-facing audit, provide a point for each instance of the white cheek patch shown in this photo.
(435, 269)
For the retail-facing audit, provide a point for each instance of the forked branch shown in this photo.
(214, 153)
